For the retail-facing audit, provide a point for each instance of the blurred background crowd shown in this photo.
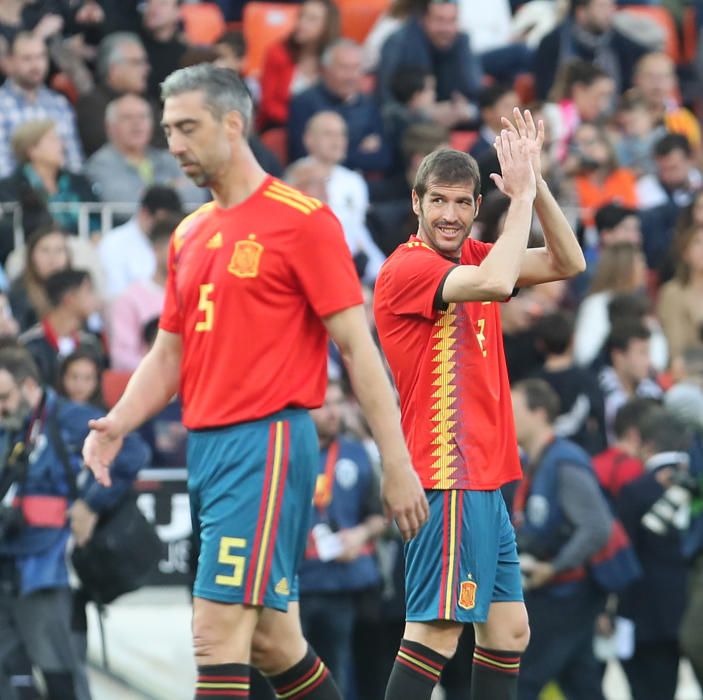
(350, 96)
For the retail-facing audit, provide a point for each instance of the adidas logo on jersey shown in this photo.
(215, 241)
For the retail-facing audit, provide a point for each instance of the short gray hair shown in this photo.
(109, 51)
(113, 106)
(339, 43)
(224, 91)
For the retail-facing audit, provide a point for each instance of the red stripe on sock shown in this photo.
(311, 687)
(416, 669)
(506, 671)
(429, 662)
(502, 659)
(302, 679)
(223, 679)
(229, 693)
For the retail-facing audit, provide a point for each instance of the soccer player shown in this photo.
(257, 279)
(439, 325)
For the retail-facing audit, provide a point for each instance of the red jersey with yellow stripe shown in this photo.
(449, 368)
(247, 290)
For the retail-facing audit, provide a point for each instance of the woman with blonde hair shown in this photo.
(680, 305)
(621, 270)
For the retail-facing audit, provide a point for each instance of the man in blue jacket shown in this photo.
(38, 516)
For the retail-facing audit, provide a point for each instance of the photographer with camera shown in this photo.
(45, 499)
(655, 510)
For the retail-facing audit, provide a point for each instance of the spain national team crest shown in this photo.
(246, 257)
(467, 595)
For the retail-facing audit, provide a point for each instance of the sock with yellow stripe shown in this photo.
(220, 681)
(415, 673)
(494, 674)
(309, 679)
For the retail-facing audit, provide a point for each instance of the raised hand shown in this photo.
(525, 128)
(518, 178)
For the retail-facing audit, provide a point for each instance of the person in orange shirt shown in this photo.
(597, 177)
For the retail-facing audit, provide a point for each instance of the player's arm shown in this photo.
(403, 495)
(562, 256)
(153, 384)
(495, 278)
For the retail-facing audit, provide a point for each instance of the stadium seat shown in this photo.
(264, 24)
(357, 18)
(204, 22)
(690, 35)
(664, 19)
(463, 140)
(113, 385)
(276, 140)
(63, 84)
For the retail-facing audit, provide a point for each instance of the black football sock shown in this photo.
(494, 674)
(309, 679)
(220, 681)
(415, 673)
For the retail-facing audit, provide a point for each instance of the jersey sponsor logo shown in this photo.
(246, 257)
(293, 198)
(282, 587)
(467, 594)
(215, 241)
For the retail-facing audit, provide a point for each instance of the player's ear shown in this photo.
(417, 208)
(479, 199)
(235, 124)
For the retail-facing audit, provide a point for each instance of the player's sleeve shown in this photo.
(171, 317)
(323, 265)
(411, 282)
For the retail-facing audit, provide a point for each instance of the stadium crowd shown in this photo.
(346, 110)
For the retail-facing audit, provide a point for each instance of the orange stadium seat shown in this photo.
(276, 140)
(204, 22)
(463, 140)
(63, 84)
(357, 17)
(113, 385)
(664, 19)
(265, 23)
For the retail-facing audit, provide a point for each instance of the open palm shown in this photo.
(533, 134)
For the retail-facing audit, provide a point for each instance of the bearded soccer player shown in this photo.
(439, 323)
(257, 279)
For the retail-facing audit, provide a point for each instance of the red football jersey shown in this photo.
(247, 289)
(449, 368)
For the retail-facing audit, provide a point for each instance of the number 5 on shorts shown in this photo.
(236, 561)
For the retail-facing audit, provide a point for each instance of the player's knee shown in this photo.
(272, 653)
(516, 634)
(442, 637)
(217, 638)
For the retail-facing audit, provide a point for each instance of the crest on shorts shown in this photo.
(467, 594)
(246, 257)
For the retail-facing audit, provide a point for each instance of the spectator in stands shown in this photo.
(621, 462)
(628, 373)
(680, 305)
(161, 36)
(582, 92)
(434, 43)
(339, 89)
(24, 96)
(561, 522)
(391, 219)
(664, 194)
(126, 252)
(347, 518)
(655, 510)
(80, 377)
(581, 417)
(617, 224)
(9, 328)
(40, 180)
(621, 269)
(347, 192)
(637, 133)
(72, 300)
(656, 80)
(496, 101)
(414, 97)
(141, 301)
(293, 65)
(309, 176)
(126, 164)
(122, 67)
(598, 177)
(231, 51)
(47, 253)
(588, 33)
